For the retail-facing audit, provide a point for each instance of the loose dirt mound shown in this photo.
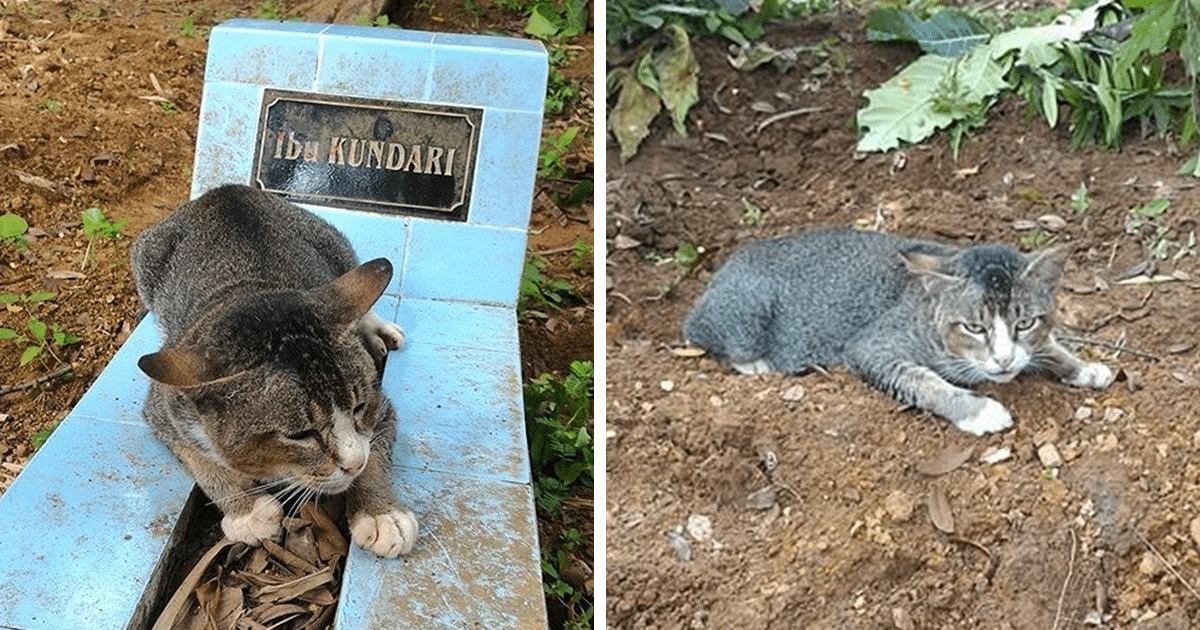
(799, 502)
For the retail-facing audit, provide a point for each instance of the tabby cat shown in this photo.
(268, 384)
(921, 320)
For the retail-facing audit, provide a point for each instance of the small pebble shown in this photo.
(1045, 436)
(699, 527)
(1112, 414)
(899, 505)
(994, 455)
(1048, 455)
(1052, 222)
(667, 385)
(763, 499)
(1149, 565)
(1194, 528)
(1108, 442)
(794, 393)
(902, 620)
(1083, 413)
(681, 546)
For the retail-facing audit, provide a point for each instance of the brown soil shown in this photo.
(843, 538)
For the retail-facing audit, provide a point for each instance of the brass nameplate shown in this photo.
(381, 156)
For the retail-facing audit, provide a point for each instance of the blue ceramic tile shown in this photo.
(491, 79)
(458, 410)
(452, 261)
(228, 130)
(375, 36)
(84, 525)
(389, 69)
(372, 236)
(284, 57)
(488, 44)
(475, 563)
(459, 324)
(506, 169)
(118, 393)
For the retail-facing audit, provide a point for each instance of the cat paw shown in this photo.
(1095, 375)
(990, 418)
(386, 535)
(380, 335)
(759, 366)
(263, 522)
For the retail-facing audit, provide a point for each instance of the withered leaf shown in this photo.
(295, 588)
(939, 511)
(945, 461)
(294, 562)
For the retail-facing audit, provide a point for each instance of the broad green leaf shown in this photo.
(630, 119)
(30, 354)
(1050, 98)
(948, 33)
(679, 75)
(12, 226)
(40, 296)
(539, 25)
(9, 298)
(1189, 49)
(1110, 104)
(1036, 45)
(8, 333)
(982, 75)
(38, 329)
(901, 110)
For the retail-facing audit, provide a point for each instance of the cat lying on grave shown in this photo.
(920, 320)
(268, 383)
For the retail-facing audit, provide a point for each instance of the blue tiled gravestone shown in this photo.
(85, 525)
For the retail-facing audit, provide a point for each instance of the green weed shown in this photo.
(12, 230)
(555, 564)
(270, 10)
(539, 291)
(39, 439)
(12, 300)
(96, 225)
(1034, 240)
(40, 340)
(1081, 199)
(558, 414)
(190, 26)
(50, 106)
(581, 255)
(168, 108)
(555, 148)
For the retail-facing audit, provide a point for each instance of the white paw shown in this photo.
(1095, 375)
(386, 535)
(380, 334)
(264, 521)
(990, 418)
(759, 366)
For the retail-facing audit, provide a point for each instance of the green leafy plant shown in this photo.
(687, 256)
(581, 254)
(558, 414)
(49, 105)
(539, 291)
(168, 108)
(752, 215)
(39, 439)
(660, 78)
(1081, 199)
(565, 18)
(96, 225)
(40, 340)
(270, 10)
(12, 230)
(555, 564)
(12, 300)
(555, 148)
(1034, 240)
(190, 27)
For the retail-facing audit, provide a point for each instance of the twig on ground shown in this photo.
(1168, 565)
(785, 115)
(1121, 347)
(62, 371)
(1062, 595)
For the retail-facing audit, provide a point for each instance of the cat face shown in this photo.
(280, 387)
(993, 309)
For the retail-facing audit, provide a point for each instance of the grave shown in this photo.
(422, 148)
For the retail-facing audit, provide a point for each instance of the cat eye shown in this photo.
(360, 408)
(307, 434)
(973, 329)
(1026, 323)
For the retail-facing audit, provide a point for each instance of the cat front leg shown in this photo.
(1072, 370)
(378, 523)
(922, 387)
(249, 516)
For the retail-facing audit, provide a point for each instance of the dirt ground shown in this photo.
(799, 501)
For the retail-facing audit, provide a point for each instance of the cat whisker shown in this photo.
(263, 488)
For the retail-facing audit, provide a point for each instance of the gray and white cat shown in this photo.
(918, 319)
(268, 383)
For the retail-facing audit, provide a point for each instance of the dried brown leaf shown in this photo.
(945, 461)
(319, 596)
(330, 541)
(303, 543)
(66, 274)
(184, 594)
(293, 589)
(939, 511)
(294, 562)
(268, 613)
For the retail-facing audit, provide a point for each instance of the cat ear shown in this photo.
(928, 267)
(179, 368)
(1046, 266)
(355, 291)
